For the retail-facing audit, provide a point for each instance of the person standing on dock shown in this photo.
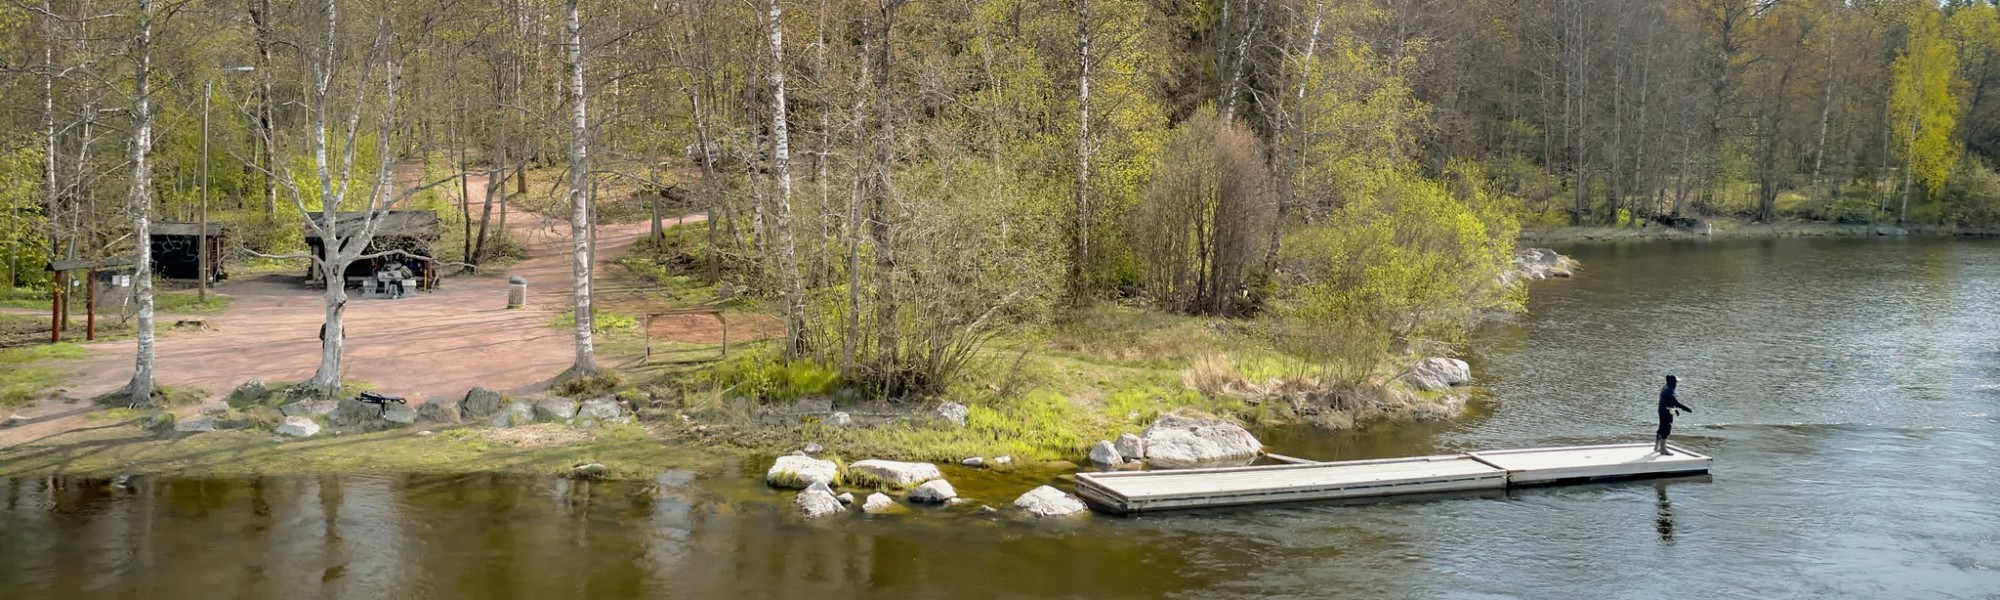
(1668, 403)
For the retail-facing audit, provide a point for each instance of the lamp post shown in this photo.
(201, 236)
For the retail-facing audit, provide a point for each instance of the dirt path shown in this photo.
(434, 345)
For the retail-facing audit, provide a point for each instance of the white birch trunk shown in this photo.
(781, 168)
(141, 203)
(1081, 267)
(579, 193)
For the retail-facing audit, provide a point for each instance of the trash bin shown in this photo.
(517, 292)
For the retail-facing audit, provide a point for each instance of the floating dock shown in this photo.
(1133, 492)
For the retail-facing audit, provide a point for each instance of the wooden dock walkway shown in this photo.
(1133, 492)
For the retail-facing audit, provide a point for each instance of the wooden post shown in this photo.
(90, 306)
(725, 333)
(649, 340)
(55, 311)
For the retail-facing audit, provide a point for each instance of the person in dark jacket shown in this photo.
(1667, 405)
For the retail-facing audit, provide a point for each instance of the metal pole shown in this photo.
(201, 254)
(90, 306)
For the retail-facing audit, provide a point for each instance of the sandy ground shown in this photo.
(434, 345)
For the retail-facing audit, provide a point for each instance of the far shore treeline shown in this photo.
(1341, 184)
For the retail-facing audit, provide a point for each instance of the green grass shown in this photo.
(185, 302)
(25, 373)
(605, 321)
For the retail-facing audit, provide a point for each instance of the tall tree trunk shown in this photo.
(1080, 252)
(579, 193)
(781, 169)
(1909, 171)
(1241, 58)
(268, 153)
(50, 191)
(1295, 155)
(880, 224)
(1825, 116)
(140, 204)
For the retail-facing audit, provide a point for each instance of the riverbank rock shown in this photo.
(813, 448)
(299, 427)
(1131, 447)
(1002, 460)
(555, 410)
(251, 393)
(1888, 231)
(954, 413)
(1542, 263)
(12, 421)
(936, 491)
(588, 472)
(892, 474)
(845, 497)
(597, 411)
(818, 501)
(438, 411)
(1105, 454)
(974, 462)
(308, 408)
(159, 423)
(878, 503)
(1182, 441)
(355, 416)
(480, 403)
(518, 412)
(1433, 374)
(1046, 501)
(840, 419)
(800, 472)
(195, 425)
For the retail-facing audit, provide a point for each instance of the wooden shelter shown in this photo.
(177, 250)
(414, 232)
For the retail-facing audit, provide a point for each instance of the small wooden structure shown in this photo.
(177, 250)
(116, 271)
(414, 232)
(1134, 492)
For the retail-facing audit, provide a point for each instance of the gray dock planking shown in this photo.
(1132, 492)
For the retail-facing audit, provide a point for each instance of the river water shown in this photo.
(1849, 390)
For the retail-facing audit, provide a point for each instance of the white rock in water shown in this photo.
(816, 502)
(1435, 374)
(845, 498)
(878, 503)
(1175, 441)
(799, 472)
(937, 491)
(892, 474)
(974, 462)
(1003, 460)
(298, 427)
(1105, 454)
(1046, 501)
(1131, 447)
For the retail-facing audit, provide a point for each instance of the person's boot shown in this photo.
(1663, 448)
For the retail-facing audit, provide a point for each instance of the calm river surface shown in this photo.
(1850, 390)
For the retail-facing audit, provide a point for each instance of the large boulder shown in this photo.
(308, 408)
(818, 501)
(360, 417)
(298, 427)
(1542, 263)
(879, 504)
(1046, 501)
(800, 472)
(1433, 374)
(1131, 447)
(251, 393)
(600, 410)
(936, 491)
(954, 413)
(438, 411)
(1184, 441)
(555, 410)
(517, 412)
(1105, 454)
(399, 413)
(481, 403)
(195, 425)
(891, 474)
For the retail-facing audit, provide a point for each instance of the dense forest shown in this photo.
(905, 179)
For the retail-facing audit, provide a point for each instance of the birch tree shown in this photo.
(579, 195)
(781, 169)
(1922, 107)
(140, 203)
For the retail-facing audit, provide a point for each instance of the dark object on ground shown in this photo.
(380, 401)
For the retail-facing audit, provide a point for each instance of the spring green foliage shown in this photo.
(1925, 73)
(25, 373)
